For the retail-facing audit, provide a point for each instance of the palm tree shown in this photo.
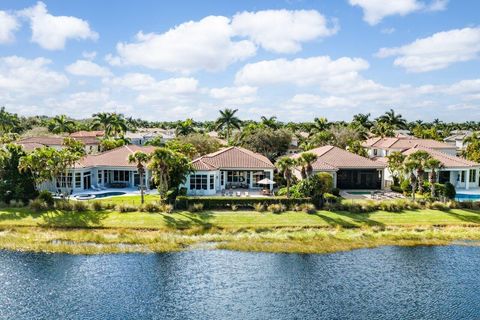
(308, 158)
(286, 165)
(393, 119)
(383, 129)
(319, 125)
(140, 158)
(409, 167)
(185, 128)
(162, 161)
(118, 126)
(61, 124)
(228, 120)
(420, 158)
(434, 165)
(102, 120)
(271, 122)
(395, 165)
(362, 119)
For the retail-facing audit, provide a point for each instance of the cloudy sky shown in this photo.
(168, 60)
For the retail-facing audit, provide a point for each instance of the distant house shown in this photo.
(229, 168)
(92, 144)
(143, 135)
(109, 169)
(382, 147)
(349, 170)
(457, 139)
(88, 134)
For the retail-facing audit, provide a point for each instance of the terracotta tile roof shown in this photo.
(232, 158)
(447, 160)
(30, 146)
(113, 158)
(83, 134)
(57, 141)
(403, 143)
(331, 158)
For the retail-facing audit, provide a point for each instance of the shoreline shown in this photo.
(278, 240)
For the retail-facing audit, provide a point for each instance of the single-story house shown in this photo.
(109, 169)
(82, 134)
(349, 170)
(228, 168)
(462, 173)
(382, 147)
(92, 144)
(457, 138)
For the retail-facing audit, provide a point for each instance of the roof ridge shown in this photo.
(448, 156)
(258, 156)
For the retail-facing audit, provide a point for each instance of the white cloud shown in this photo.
(321, 71)
(26, 77)
(87, 69)
(322, 102)
(89, 55)
(8, 26)
(282, 31)
(191, 46)
(235, 95)
(437, 51)
(375, 10)
(51, 32)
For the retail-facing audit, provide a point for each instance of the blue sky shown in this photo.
(168, 60)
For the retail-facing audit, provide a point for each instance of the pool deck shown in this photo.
(128, 192)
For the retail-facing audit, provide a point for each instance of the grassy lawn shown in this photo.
(237, 220)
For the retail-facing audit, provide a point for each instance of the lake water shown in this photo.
(384, 283)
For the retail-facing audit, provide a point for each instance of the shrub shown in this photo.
(212, 203)
(151, 207)
(331, 198)
(64, 205)
(308, 208)
(126, 208)
(38, 205)
(80, 206)
(406, 187)
(336, 192)
(276, 208)
(397, 189)
(439, 206)
(97, 206)
(16, 203)
(260, 207)
(196, 207)
(165, 207)
(449, 191)
(46, 197)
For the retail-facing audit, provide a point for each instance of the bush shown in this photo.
(330, 198)
(64, 205)
(438, 206)
(80, 206)
(165, 207)
(406, 187)
(151, 207)
(196, 207)
(213, 203)
(46, 197)
(260, 207)
(276, 208)
(308, 208)
(97, 206)
(449, 191)
(124, 208)
(16, 203)
(336, 192)
(397, 189)
(38, 205)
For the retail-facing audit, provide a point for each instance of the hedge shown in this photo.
(209, 203)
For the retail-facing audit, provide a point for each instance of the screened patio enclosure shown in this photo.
(369, 179)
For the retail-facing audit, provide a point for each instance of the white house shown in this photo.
(382, 147)
(229, 168)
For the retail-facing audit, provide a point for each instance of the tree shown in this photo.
(308, 159)
(363, 120)
(169, 170)
(271, 122)
(75, 146)
(286, 165)
(111, 143)
(395, 164)
(319, 125)
(410, 166)
(357, 148)
(9, 122)
(14, 184)
(270, 143)
(316, 186)
(434, 165)
(61, 124)
(185, 128)
(43, 163)
(420, 157)
(393, 119)
(114, 124)
(472, 150)
(228, 120)
(383, 129)
(140, 159)
(194, 145)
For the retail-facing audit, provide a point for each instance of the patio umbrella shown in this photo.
(266, 181)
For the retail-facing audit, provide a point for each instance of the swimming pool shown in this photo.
(467, 197)
(89, 196)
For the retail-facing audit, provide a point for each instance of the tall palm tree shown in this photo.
(383, 129)
(308, 158)
(286, 165)
(185, 128)
(101, 120)
(420, 158)
(162, 161)
(409, 167)
(228, 120)
(393, 119)
(270, 122)
(434, 165)
(61, 124)
(118, 125)
(319, 125)
(140, 159)
(395, 165)
(362, 119)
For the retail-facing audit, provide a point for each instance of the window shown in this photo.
(64, 181)
(222, 179)
(100, 177)
(78, 180)
(198, 182)
(473, 176)
(375, 152)
(123, 176)
(212, 182)
(462, 179)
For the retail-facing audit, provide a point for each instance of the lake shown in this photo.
(383, 283)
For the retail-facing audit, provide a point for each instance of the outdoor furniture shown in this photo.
(246, 194)
(238, 193)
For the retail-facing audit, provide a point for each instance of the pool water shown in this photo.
(359, 192)
(100, 195)
(467, 197)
